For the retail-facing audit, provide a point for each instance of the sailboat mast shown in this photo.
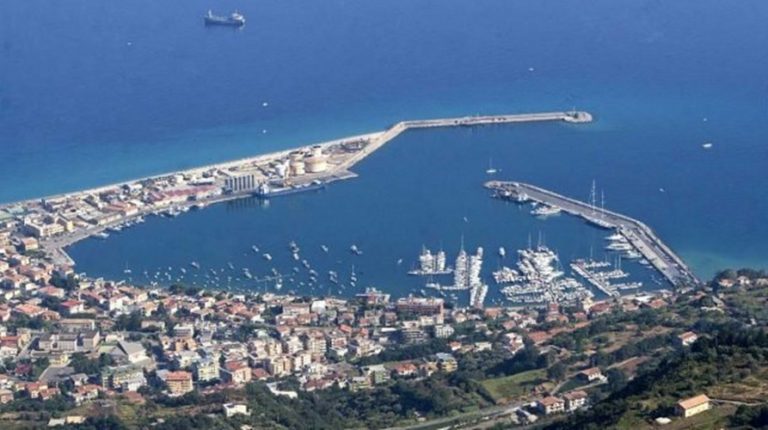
(602, 202)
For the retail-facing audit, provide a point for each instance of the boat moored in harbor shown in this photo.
(265, 190)
(431, 264)
(545, 210)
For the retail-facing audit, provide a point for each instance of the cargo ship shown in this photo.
(266, 191)
(234, 20)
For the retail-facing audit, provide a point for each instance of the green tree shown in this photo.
(616, 379)
(556, 372)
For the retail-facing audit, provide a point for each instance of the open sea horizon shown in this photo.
(93, 93)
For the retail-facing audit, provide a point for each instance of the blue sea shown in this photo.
(96, 92)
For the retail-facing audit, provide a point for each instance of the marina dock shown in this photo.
(639, 235)
(600, 284)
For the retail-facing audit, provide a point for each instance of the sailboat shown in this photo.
(491, 170)
(597, 217)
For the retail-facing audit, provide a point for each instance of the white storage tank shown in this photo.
(282, 169)
(316, 164)
(297, 167)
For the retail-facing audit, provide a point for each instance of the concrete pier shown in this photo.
(639, 235)
(597, 283)
(378, 140)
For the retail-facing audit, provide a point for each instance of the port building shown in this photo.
(240, 183)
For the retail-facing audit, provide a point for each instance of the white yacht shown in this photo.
(546, 210)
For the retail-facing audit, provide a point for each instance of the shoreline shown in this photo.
(340, 160)
(192, 170)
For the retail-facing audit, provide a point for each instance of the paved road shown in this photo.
(476, 415)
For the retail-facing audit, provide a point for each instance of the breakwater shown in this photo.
(106, 206)
(638, 234)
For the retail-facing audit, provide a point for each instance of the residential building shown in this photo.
(179, 382)
(591, 375)
(687, 338)
(575, 400)
(377, 374)
(692, 406)
(236, 372)
(125, 378)
(446, 362)
(551, 405)
(206, 369)
(443, 331)
(420, 305)
(6, 396)
(232, 409)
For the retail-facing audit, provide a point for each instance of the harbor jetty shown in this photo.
(59, 221)
(639, 235)
(377, 141)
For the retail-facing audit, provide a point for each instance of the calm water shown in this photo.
(94, 92)
(424, 189)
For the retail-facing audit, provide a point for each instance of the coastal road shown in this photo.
(481, 414)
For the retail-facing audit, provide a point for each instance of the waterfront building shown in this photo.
(29, 244)
(372, 296)
(420, 305)
(42, 229)
(240, 183)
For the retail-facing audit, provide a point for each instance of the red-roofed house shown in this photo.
(551, 405)
(72, 307)
(687, 338)
(28, 310)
